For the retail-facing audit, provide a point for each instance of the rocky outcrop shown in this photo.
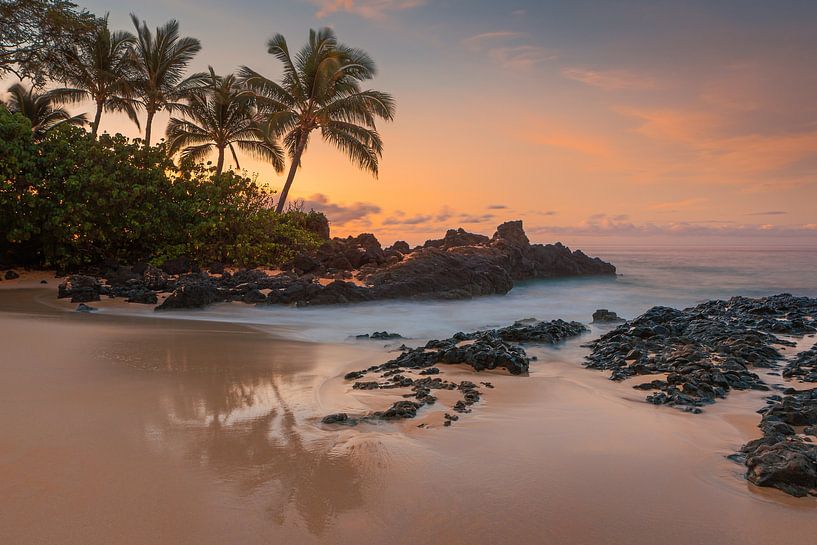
(460, 265)
(707, 350)
(804, 366)
(415, 369)
(80, 288)
(783, 458)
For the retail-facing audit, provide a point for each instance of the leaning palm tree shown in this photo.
(320, 89)
(40, 110)
(220, 115)
(99, 69)
(160, 61)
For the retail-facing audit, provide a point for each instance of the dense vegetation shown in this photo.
(70, 200)
(70, 197)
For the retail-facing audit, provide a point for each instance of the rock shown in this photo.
(80, 288)
(154, 278)
(82, 307)
(339, 418)
(304, 264)
(454, 238)
(143, 297)
(195, 295)
(399, 409)
(706, 350)
(43, 281)
(399, 246)
(786, 465)
(380, 336)
(604, 315)
(11, 275)
(254, 296)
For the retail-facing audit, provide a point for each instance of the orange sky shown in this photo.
(594, 121)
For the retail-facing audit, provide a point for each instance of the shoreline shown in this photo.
(225, 390)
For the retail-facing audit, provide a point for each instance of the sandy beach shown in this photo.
(146, 430)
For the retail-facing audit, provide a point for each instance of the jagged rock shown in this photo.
(339, 418)
(454, 238)
(804, 366)
(11, 275)
(80, 288)
(82, 307)
(380, 335)
(782, 459)
(193, 295)
(604, 315)
(706, 350)
(399, 246)
(143, 296)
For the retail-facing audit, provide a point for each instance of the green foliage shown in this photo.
(71, 200)
(32, 32)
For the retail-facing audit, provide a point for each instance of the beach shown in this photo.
(122, 426)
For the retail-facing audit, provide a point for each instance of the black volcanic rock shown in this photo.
(782, 459)
(706, 351)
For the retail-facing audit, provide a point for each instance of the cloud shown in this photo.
(505, 48)
(479, 40)
(473, 218)
(496, 207)
(683, 203)
(611, 80)
(400, 219)
(341, 214)
(368, 9)
(769, 213)
(519, 12)
(603, 225)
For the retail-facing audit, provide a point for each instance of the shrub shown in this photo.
(71, 201)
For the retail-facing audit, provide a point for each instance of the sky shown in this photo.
(688, 122)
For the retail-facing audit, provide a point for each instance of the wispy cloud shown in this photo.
(341, 214)
(368, 9)
(683, 204)
(603, 225)
(611, 80)
(509, 49)
(480, 40)
(769, 213)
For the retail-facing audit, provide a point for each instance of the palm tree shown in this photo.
(160, 62)
(220, 114)
(320, 89)
(39, 109)
(100, 69)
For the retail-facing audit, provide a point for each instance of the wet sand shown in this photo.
(138, 430)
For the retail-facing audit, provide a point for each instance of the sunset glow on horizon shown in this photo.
(589, 120)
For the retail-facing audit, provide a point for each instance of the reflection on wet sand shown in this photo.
(143, 431)
(242, 407)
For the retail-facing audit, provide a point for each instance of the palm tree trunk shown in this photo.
(97, 118)
(220, 163)
(296, 161)
(148, 125)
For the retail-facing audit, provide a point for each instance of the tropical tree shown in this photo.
(40, 110)
(320, 89)
(100, 69)
(32, 31)
(160, 61)
(220, 114)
